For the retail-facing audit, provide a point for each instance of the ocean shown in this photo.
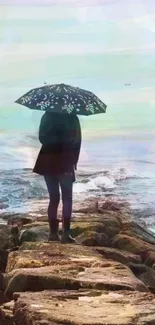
(120, 165)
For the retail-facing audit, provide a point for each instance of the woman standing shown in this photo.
(60, 136)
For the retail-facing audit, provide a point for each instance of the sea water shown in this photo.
(117, 165)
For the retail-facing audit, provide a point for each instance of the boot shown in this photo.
(54, 226)
(66, 236)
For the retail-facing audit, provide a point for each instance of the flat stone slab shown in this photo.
(85, 308)
(107, 275)
(33, 255)
(57, 266)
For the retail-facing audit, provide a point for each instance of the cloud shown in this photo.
(34, 39)
(146, 21)
(126, 96)
(59, 2)
(84, 10)
(111, 97)
(27, 12)
(25, 52)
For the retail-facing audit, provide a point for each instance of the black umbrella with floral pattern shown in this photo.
(61, 98)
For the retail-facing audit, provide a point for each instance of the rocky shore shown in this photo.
(108, 279)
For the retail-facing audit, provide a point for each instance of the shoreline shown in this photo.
(39, 208)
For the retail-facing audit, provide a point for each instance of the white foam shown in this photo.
(94, 184)
(107, 180)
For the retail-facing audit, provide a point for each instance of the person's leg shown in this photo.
(52, 183)
(66, 183)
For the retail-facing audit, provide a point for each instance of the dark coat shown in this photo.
(60, 135)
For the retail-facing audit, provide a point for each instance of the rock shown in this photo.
(98, 226)
(15, 248)
(118, 217)
(111, 222)
(69, 267)
(6, 314)
(19, 221)
(110, 276)
(45, 254)
(131, 244)
(35, 246)
(145, 274)
(87, 209)
(3, 260)
(7, 236)
(15, 235)
(112, 205)
(132, 228)
(86, 285)
(1, 297)
(149, 258)
(118, 255)
(85, 308)
(43, 218)
(15, 217)
(1, 281)
(38, 233)
(96, 223)
(35, 224)
(2, 317)
(92, 238)
(101, 204)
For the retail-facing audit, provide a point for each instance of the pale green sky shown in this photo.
(97, 45)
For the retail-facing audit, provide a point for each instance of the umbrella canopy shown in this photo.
(61, 98)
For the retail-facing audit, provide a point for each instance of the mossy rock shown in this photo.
(132, 244)
(8, 236)
(92, 238)
(33, 245)
(98, 227)
(34, 234)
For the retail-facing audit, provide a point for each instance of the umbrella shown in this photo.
(61, 98)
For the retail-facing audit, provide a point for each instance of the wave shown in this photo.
(21, 186)
(105, 180)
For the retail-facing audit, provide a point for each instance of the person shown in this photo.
(60, 136)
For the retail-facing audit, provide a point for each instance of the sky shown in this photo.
(100, 45)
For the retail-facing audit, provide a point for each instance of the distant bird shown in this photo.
(127, 84)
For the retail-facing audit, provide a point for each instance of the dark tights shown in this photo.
(65, 182)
